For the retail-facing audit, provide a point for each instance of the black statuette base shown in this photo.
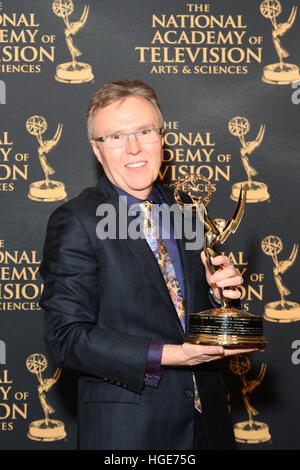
(226, 327)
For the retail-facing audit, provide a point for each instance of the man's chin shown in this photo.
(140, 185)
(140, 191)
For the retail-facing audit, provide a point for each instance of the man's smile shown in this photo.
(135, 164)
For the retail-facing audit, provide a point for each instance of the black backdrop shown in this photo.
(206, 62)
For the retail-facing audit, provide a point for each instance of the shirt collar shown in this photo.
(153, 196)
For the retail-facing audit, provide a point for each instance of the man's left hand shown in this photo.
(226, 276)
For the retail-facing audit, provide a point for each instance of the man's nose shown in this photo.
(132, 144)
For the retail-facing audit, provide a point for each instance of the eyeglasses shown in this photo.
(118, 139)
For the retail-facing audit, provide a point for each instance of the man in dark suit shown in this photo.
(110, 313)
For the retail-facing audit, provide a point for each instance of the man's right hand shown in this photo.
(188, 354)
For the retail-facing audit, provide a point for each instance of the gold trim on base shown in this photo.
(67, 73)
(256, 192)
(42, 192)
(53, 431)
(275, 75)
(257, 432)
(286, 313)
(227, 340)
(226, 327)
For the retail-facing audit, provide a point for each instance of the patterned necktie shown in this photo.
(167, 269)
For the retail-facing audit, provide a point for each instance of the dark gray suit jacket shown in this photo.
(104, 301)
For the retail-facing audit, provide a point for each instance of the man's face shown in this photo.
(129, 115)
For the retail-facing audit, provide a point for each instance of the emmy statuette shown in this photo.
(224, 326)
(46, 190)
(280, 73)
(282, 311)
(46, 429)
(251, 431)
(256, 190)
(72, 72)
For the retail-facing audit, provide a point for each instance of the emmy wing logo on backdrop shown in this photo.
(72, 72)
(251, 431)
(280, 73)
(282, 311)
(257, 191)
(44, 429)
(46, 190)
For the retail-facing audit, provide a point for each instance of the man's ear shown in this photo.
(96, 150)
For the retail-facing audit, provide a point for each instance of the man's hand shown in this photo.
(188, 354)
(226, 276)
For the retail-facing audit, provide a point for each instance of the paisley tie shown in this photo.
(167, 269)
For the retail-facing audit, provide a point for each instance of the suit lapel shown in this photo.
(143, 253)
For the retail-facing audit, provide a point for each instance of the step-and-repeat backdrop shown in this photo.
(226, 74)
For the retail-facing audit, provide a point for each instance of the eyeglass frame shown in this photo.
(104, 137)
